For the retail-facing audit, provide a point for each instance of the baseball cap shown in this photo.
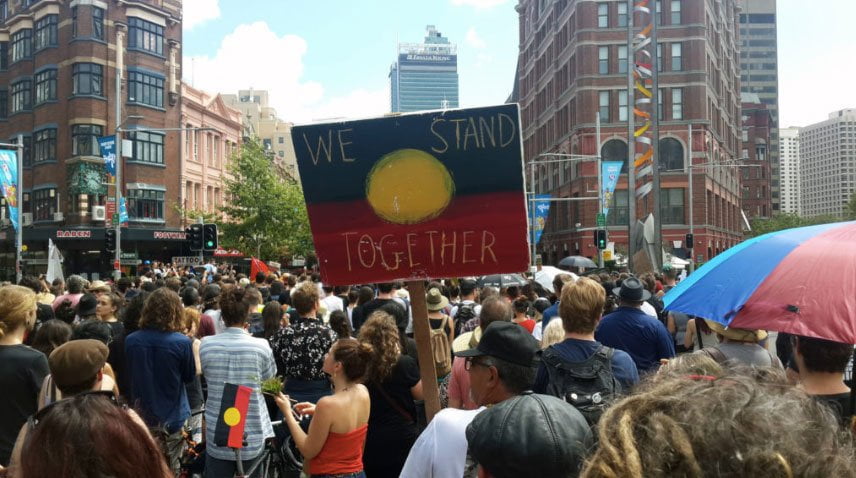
(77, 361)
(506, 341)
(530, 435)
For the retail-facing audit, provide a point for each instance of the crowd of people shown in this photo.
(592, 378)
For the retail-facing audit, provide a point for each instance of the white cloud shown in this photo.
(473, 39)
(253, 56)
(480, 4)
(199, 11)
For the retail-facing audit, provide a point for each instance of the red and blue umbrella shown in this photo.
(801, 281)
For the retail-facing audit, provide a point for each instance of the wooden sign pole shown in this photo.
(422, 334)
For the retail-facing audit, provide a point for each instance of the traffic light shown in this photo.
(600, 239)
(689, 241)
(110, 238)
(195, 236)
(209, 237)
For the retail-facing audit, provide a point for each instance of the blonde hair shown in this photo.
(581, 305)
(17, 308)
(191, 318)
(552, 334)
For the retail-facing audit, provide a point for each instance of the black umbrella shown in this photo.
(576, 261)
(502, 280)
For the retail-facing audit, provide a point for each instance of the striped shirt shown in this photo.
(234, 356)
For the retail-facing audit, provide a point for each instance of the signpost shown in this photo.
(418, 196)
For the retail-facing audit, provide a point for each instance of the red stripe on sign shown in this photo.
(242, 403)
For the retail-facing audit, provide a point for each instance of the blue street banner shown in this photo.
(123, 211)
(539, 210)
(108, 152)
(610, 170)
(9, 183)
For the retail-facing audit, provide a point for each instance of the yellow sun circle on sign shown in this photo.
(409, 186)
(232, 416)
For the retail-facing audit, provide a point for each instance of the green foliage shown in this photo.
(787, 221)
(191, 216)
(850, 208)
(267, 214)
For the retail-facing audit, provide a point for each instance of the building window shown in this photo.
(44, 204)
(622, 14)
(676, 12)
(22, 96)
(677, 64)
(4, 55)
(74, 22)
(145, 204)
(148, 146)
(4, 9)
(671, 154)
(45, 86)
(603, 60)
(146, 36)
(46, 31)
(22, 44)
(615, 150)
(4, 103)
(88, 79)
(145, 89)
(660, 103)
(603, 15)
(658, 13)
(761, 153)
(659, 57)
(603, 103)
(84, 140)
(622, 105)
(672, 205)
(622, 58)
(98, 23)
(619, 213)
(44, 145)
(677, 103)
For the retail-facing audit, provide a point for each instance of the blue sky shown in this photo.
(330, 58)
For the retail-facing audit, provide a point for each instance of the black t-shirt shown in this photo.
(436, 323)
(22, 370)
(840, 404)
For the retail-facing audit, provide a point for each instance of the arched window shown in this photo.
(615, 150)
(671, 155)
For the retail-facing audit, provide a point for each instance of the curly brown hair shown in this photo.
(381, 333)
(163, 311)
(740, 424)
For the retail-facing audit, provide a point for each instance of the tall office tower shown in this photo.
(789, 159)
(828, 164)
(573, 63)
(425, 75)
(759, 72)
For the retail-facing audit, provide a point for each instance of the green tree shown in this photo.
(787, 221)
(266, 214)
(850, 208)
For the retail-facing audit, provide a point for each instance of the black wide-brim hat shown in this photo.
(632, 290)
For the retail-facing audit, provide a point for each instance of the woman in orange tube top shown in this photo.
(337, 434)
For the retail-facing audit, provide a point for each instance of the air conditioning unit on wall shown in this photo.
(99, 213)
(27, 219)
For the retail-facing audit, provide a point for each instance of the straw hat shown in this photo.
(99, 286)
(435, 300)
(741, 335)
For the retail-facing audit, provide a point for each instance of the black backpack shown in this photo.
(465, 313)
(590, 386)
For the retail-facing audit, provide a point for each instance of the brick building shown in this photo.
(205, 155)
(756, 176)
(57, 73)
(572, 63)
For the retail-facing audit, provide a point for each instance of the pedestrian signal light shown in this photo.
(209, 237)
(600, 239)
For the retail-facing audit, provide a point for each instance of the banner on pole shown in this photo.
(9, 183)
(108, 152)
(123, 211)
(408, 197)
(540, 209)
(610, 171)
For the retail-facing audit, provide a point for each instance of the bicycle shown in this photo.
(278, 460)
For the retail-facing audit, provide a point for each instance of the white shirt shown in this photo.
(649, 309)
(332, 303)
(538, 331)
(441, 450)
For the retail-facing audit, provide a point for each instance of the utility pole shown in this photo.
(600, 199)
(690, 190)
(631, 139)
(118, 189)
(655, 145)
(19, 198)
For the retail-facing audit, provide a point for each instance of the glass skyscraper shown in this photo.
(425, 76)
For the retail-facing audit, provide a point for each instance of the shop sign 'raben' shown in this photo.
(423, 195)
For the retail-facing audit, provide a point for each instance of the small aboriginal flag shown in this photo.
(233, 416)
